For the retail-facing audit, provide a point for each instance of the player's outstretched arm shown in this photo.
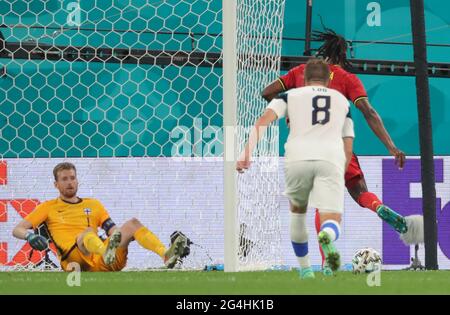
(22, 231)
(377, 126)
(256, 134)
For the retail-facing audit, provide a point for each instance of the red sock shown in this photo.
(317, 221)
(369, 200)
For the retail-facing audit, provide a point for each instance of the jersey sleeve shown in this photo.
(103, 214)
(279, 105)
(38, 215)
(288, 80)
(348, 131)
(355, 89)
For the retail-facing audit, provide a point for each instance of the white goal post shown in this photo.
(229, 17)
(252, 39)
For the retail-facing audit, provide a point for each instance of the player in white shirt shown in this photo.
(318, 150)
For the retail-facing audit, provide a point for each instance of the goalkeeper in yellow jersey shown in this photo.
(72, 223)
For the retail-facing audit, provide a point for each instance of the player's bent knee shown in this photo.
(132, 225)
(135, 222)
(82, 234)
(298, 209)
(356, 185)
(80, 242)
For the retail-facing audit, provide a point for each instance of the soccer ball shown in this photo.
(366, 260)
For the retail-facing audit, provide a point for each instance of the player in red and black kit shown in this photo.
(334, 50)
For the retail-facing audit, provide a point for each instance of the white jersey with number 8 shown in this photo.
(319, 118)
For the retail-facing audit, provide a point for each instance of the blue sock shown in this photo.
(299, 238)
(332, 228)
(301, 251)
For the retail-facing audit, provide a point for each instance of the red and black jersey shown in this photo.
(345, 82)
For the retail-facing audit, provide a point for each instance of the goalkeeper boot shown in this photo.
(332, 257)
(109, 257)
(392, 218)
(307, 273)
(175, 251)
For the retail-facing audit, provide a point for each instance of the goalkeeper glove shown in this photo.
(36, 242)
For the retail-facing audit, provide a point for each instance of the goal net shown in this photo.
(132, 93)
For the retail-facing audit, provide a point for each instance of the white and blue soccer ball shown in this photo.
(366, 260)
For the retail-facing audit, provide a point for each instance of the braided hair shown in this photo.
(334, 48)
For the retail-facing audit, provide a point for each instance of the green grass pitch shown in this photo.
(207, 283)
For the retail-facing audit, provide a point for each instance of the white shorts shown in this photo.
(316, 184)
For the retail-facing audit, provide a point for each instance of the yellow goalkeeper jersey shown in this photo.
(65, 221)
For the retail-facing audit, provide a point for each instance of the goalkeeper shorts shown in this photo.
(95, 262)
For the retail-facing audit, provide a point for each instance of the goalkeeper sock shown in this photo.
(369, 200)
(149, 241)
(332, 228)
(299, 238)
(93, 243)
